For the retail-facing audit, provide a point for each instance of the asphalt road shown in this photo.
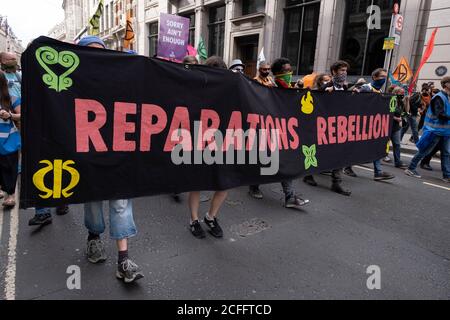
(268, 252)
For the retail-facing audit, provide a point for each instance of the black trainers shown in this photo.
(95, 251)
(349, 171)
(214, 227)
(295, 202)
(255, 192)
(62, 210)
(426, 166)
(128, 271)
(40, 219)
(401, 165)
(336, 187)
(310, 180)
(197, 230)
(383, 176)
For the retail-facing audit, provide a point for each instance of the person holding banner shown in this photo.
(121, 220)
(282, 70)
(379, 76)
(436, 131)
(218, 197)
(10, 142)
(338, 82)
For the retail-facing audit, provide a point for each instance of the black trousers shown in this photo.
(9, 171)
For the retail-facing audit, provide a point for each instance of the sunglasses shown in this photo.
(265, 69)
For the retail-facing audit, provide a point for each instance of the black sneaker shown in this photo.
(295, 202)
(426, 166)
(336, 187)
(310, 180)
(255, 192)
(128, 271)
(62, 210)
(40, 219)
(401, 165)
(383, 176)
(197, 230)
(349, 171)
(214, 227)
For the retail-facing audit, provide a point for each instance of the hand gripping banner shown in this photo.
(100, 124)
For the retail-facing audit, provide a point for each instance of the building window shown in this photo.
(253, 6)
(361, 49)
(216, 29)
(111, 16)
(106, 17)
(153, 38)
(299, 43)
(191, 17)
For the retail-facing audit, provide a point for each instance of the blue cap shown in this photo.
(87, 40)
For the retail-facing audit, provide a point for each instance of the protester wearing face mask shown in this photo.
(436, 131)
(321, 81)
(237, 66)
(339, 77)
(378, 80)
(13, 76)
(281, 69)
(264, 75)
(338, 82)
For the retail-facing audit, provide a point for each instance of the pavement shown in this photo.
(323, 251)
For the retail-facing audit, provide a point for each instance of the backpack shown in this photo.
(415, 103)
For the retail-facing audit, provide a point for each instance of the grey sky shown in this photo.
(30, 19)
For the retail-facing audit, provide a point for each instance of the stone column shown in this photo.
(229, 6)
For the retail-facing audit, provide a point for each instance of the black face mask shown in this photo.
(264, 74)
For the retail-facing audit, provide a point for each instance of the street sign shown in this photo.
(389, 43)
(402, 72)
(397, 28)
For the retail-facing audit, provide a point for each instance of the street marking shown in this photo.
(436, 185)
(364, 168)
(10, 279)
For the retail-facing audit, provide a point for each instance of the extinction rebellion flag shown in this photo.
(100, 124)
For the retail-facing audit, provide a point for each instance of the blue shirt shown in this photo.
(9, 135)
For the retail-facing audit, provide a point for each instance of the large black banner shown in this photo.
(100, 124)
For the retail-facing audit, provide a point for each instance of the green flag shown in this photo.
(202, 49)
(94, 22)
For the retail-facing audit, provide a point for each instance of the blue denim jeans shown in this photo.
(445, 155)
(288, 189)
(395, 138)
(411, 122)
(121, 222)
(377, 167)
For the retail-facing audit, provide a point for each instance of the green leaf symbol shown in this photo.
(47, 56)
(310, 156)
(393, 104)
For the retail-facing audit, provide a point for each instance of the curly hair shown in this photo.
(277, 65)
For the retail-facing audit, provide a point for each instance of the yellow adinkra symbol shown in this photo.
(307, 103)
(58, 166)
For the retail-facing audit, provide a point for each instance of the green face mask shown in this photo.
(286, 77)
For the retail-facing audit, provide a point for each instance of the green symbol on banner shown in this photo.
(310, 156)
(393, 104)
(48, 56)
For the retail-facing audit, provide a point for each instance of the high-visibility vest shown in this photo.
(433, 123)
